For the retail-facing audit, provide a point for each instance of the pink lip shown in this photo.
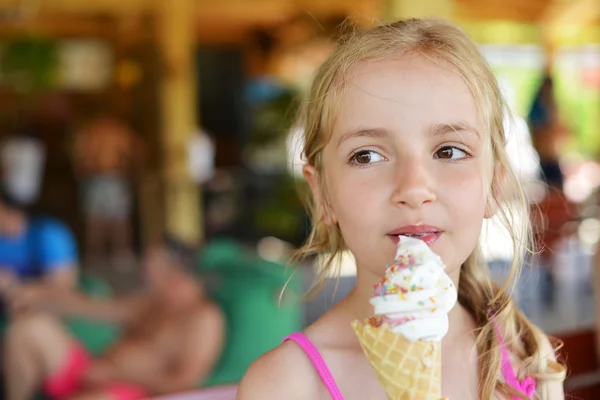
(414, 230)
(430, 233)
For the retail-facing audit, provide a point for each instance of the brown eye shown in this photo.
(450, 153)
(363, 157)
(445, 153)
(366, 157)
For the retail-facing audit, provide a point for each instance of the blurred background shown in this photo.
(127, 119)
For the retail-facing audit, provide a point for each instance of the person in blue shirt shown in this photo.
(34, 250)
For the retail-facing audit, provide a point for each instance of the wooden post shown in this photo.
(182, 209)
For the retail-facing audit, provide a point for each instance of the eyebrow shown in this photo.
(443, 129)
(374, 133)
(434, 130)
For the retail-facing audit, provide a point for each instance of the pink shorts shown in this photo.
(67, 381)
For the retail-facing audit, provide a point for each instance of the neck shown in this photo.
(358, 298)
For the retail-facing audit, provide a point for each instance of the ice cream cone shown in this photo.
(407, 370)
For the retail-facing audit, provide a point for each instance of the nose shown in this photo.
(413, 187)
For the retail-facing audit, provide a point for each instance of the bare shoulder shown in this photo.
(210, 310)
(286, 369)
(206, 314)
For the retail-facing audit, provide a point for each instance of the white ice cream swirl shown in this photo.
(416, 294)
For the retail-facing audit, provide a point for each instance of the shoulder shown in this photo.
(56, 240)
(209, 314)
(49, 226)
(286, 369)
(206, 317)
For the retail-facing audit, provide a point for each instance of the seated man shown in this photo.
(34, 250)
(172, 336)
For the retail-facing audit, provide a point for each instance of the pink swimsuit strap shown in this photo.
(316, 359)
(528, 384)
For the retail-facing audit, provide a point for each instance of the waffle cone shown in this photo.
(406, 370)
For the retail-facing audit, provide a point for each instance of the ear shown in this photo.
(491, 206)
(323, 210)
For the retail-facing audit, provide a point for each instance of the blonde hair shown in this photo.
(440, 41)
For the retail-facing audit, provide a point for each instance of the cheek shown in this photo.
(358, 203)
(465, 207)
(352, 197)
(464, 187)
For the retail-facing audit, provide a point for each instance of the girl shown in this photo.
(403, 135)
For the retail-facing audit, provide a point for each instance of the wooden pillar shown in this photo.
(401, 9)
(182, 208)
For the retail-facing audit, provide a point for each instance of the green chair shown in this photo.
(248, 288)
(96, 336)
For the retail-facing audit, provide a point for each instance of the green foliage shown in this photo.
(273, 119)
(283, 215)
(29, 64)
(579, 104)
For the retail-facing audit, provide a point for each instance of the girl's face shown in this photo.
(405, 156)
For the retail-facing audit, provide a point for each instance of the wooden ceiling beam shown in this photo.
(249, 10)
(519, 10)
(571, 12)
(568, 18)
(115, 7)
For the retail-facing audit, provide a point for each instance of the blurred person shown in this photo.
(551, 214)
(548, 134)
(173, 336)
(22, 157)
(107, 155)
(35, 251)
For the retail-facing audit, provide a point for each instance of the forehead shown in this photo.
(404, 94)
